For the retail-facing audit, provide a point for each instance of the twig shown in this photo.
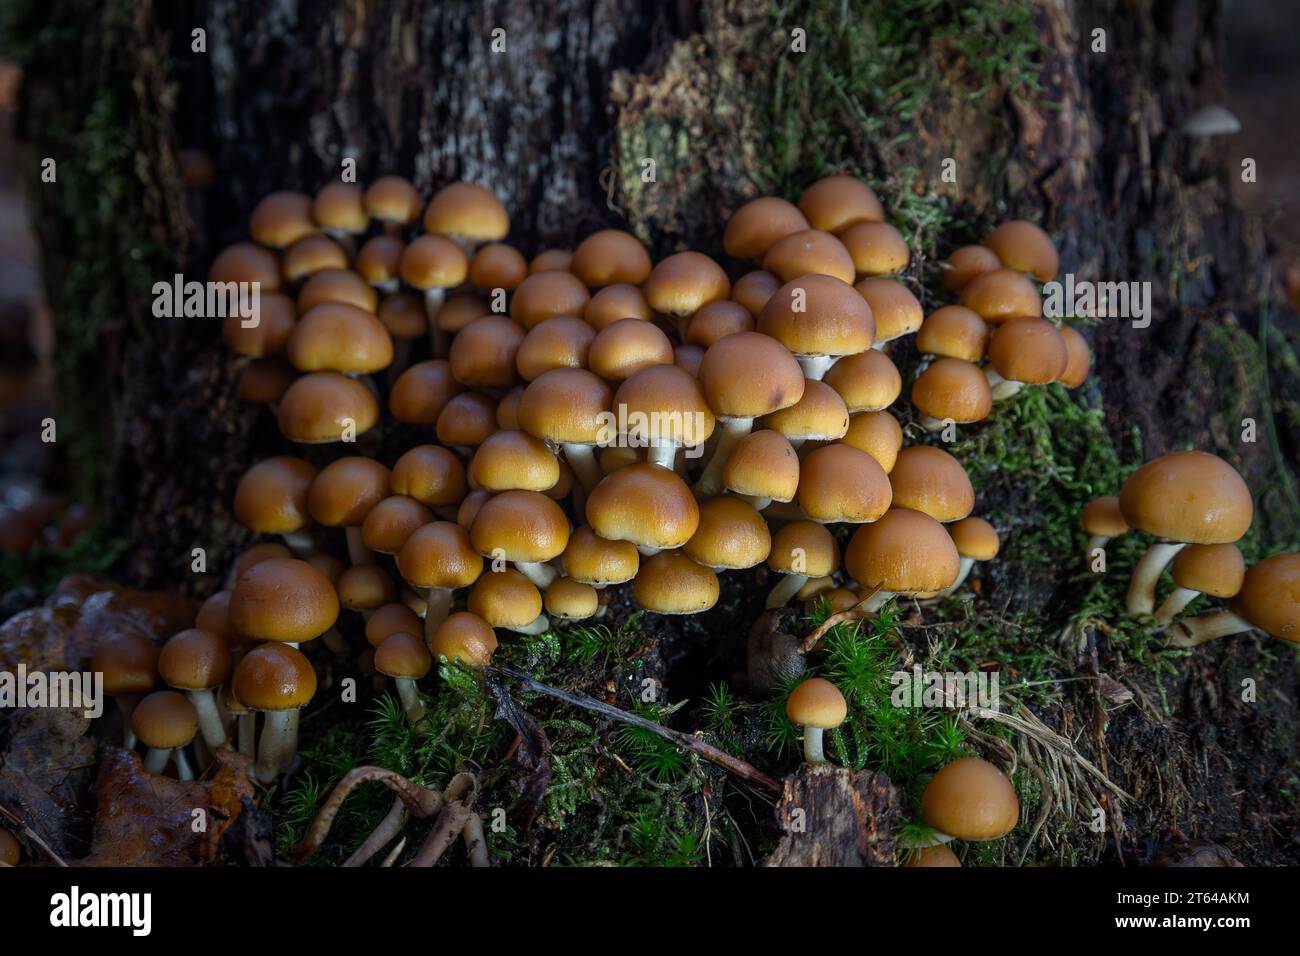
(32, 835)
(422, 801)
(388, 827)
(855, 613)
(710, 753)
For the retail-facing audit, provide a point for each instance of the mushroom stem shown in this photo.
(126, 707)
(729, 432)
(211, 726)
(1142, 587)
(183, 769)
(1094, 542)
(410, 700)
(583, 462)
(758, 503)
(963, 572)
(276, 748)
(815, 366)
(433, 299)
(785, 589)
(155, 759)
(299, 542)
(931, 424)
(358, 553)
(662, 454)
(1191, 632)
(877, 601)
(437, 607)
(1173, 605)
(540, 573)
(539, 625)
(1001, 388)
(248, 734)
(813, 751)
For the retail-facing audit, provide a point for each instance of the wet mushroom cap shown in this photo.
(906, 552)
(322, 407)
(524, 525)
(421, 392)
(389, 523)
(281, 218)
(928, 479)
(567, 599)
(439, 555)
(1078, 358)
(337, 285)
(365, 587)
(598, 561)
(645, 504)
(932, 856)
(968, 262)
(497, 266)
(467, 420)
(467, 211)
(392, 618)
(868, 381)
(544, 295)
(611, 257)
(277, 319)
(614, 302)
(128, 661)
(345, 491)
(195, 660)
(214, 616)
(264, 381)
(257, 553)
(684, 282)
(565, 405)
(505, 599)
(246, 262)
(816, 702)
(753, 289)
(748, 375)
(837, 202)
(818, 315)
(1001, 295)
(970, 799)
(1028, 350)
(954, 332)
(484, 353)
(392, 199)
(716, 321)
(274, 677)
(1270, 596)
(165, 719)
(403, 655)
(804, 547)
(312, 254)
(430, 474)
(466, 637)
(757, 225)
(731, 535)
(975, 538)
(623, 348)
(671, 401)
(433, 262)
(953, 388)
(1102, 517)
(820, 415)
(283, 599)
(896, 310)
(379, 260)
(841, 483)
(763, 464)
(1188, 496)
(561, 341)
(811, 252)
(876, 248)
(878, 434)
(514, 459)
(671, 583)
(403, 316)
(340, 338)
(1024, 247)
(551, 260)
(460, 309)
(1214, 569)
(271, 497)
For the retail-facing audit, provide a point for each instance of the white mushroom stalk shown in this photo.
(785, 589)
(582, 459)
(662, 452)
(248, 734)
(1142, 586)
(276, 748)
(539, 625)
(814, 751)
(1001, 388)
(1192, 632)
(539, 572)
(299, 542)
(211, 727)
(437, 603)
(410, 696)
(1175, 603)
(815, 366)
(729, 432)
(877, 600)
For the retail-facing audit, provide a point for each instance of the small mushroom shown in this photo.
(466, 637)
(1214, 569)
(976, 540)
(1102, 520)
(1269, 599)
(198, 663)
(970, 799)
(817, 705)
(405, 659)
(279, 681)
(166, 723)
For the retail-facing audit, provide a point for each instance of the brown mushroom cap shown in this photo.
(731, 535)
(483, 354)
(392, 199)
(379, 260)
(391, 619)
(565, 405)
(439, 555)
(128, 661)
(818, 315)
(820, 415)
(460, 309)
(954, 332)
(616, 302)
(611, 257)
(645, 504)
(431, 475)
(930, 480)
(1102, 517)
(1026, 248)
(497, 266)
(281, 218)
(763, 464)
(271, 497)
(505, 598)
(337, 285)
(403, 316)
(895, 309)
(975, 538)
(671, 583)
(214, 616)
(1028, 350)
(906, 552)
(933, 856)
(868, 381)
(970, 799)
(1001, 295)
(878, 434)
(467, 420)
(569, 600)
(165, 719)
(403, 655)
(837, 202)
(522, 525)
(390, 522)
(467, 211)
(717, 320)
(195, 660)
(551, 260)
(811, 252)
(339, 338)
(254, 554)
(514, 459)
(954, 389)
(345, 491)
(876, 248)
(598, 561)
(283, 599)
(433, 262)
(247, 262)
(664, 403)
(1214, 569)
(627, 346)
(1188, 496)
(365, 587)
(804, 547)
(688, 359)
(753, 289)
(684, 282)
(421, 392)
(265, 380)
(1078, 358)
(468, 509)
(546, 294)
(312, 254)
(967, 263)
(1270, 596)
(757, 225)
(321, 407)
(561, 341)
(277, 317)
(816, 702)
(10, 850)
(748, 375)
(274, 677)
(465, 637)
(841, 483)
(508, 408)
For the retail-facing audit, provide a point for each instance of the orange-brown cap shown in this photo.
(468, 509)
(277, 316)
(561, 341)
(340, 207)
(1214, 569)
(895, 309)
(816, 702)
(1188, 496)
(867, 381)
(1103, 517)
(274, 677)
(165, 719)
(404, 656)
(753, 289)
(818, 315)
(262, 551)
(390, 522)
(283, 599)
(616, 302)
(565, 405)
(968, 262)
(671, 583)
(811, 252)
(497, 266)
(403, 315)
(392, 199)
(876, 248)
(522, 525)
(505, 598)
(975, 538)
(1078, 358)
(392, 618)
(312, 254)
(569, 600)
(421, 392)
(272, 495)
(546, 294)
(804, 547)
(837, 202)
(609, 257)
(333, 337)
(364, 587)
(337, 285)
(195, 660)
(214, 616)
(379, 261)
(664, 404)
(128, 661)
(970, 799)
(954, 332)
(731, 535)
(345, 491)
(748, 374)
(460, 309)
(1028, 350)
(838, 482)
(878, 434)
(954, 389)
(551, 260)
(930, 480)
(514, 459)
(265, 380)
(626, 346)
(906, 552)
(645, 504)
(483, 353)
(247, 262)
(10, 849)
(508, 407)
(763, 464)
(1026, 248)
(281, 218)
(717, 320)
(684, 282)
(467, 211)
(820, 415)
(598, 561)
(759, 224)
(1270, 596)
(323, 407)
(439, 555)
(465, 637)
(467, 420)
(1000, 295)
(433, 262)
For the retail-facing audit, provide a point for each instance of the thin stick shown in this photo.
(422, 802)
(855, 613)
(710, 753)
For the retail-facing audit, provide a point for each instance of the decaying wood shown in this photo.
(831, 816)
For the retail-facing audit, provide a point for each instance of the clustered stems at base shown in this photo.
(1173, 605)
(1207, 627)
(1142, 587)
